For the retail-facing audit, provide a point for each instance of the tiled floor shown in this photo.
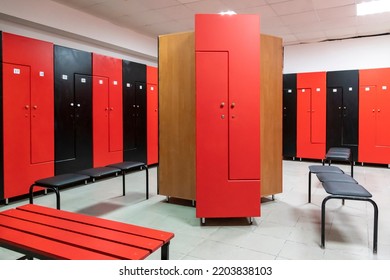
(289, 227)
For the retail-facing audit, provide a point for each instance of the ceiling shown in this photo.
(296, 21)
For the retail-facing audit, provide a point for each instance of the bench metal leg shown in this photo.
(376, 214)
(147, 181)
(124, 182)
(57, 192)
(309, 183)
(165, 251)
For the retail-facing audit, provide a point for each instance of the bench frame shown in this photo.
(344, 197)
(92, 179)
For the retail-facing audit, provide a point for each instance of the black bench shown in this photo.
(54, 183)
(339, 154)
(347, 191)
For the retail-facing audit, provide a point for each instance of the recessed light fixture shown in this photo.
(228, 13)
(373, 7)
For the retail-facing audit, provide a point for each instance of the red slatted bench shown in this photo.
(47, 233)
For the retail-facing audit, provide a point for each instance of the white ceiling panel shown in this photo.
(296, 21)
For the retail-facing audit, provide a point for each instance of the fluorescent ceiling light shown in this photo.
(229, 13)
(373, 7)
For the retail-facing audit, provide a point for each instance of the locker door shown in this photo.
(367, 123)
(289, 115)
(318, 121)
(73, 110)
(134, 112)
(152, 119)
(16, 121)
(334, 116)
(83, 121)
(129, 117)
(303, 121)
(115, 118)
(100, 120)
(382, 134)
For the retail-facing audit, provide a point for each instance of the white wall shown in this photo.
(49, 21)
(360, 53)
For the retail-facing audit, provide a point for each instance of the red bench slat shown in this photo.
(117, 250)
(44, 247)
(86, 229)
(100, 222)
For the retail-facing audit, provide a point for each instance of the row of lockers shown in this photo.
(337, 109)
(64, 110)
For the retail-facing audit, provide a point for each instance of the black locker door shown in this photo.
(134, 112)
(289, 115)
(342, 110)
(73, 110)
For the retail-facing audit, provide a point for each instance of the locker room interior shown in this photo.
(75, 97)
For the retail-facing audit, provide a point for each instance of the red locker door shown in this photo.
(227, 116)
(107, 110)
(152, 114)
(16, 119)
(311, 115)
(28, 134)
(100, 120)
(367, 116)
(383, 118)
(374, 115)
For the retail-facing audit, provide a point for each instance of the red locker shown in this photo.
(374, 116)
(152, 114)
(107, 110)
(28, 112)
(311, 115)
(227, 116)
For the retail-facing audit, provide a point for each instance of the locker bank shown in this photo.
(168, 130)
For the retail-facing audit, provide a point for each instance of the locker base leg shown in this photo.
(6, 201)
(202, 221)
(250, 219)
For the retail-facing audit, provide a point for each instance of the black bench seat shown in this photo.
(130, 166)
(99, 172)
(317, 169)
(339, 154)
(55, 182)
(347, 191)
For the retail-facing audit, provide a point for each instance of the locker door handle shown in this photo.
(233, 105)
(339, 108)
(26, 107)
(373, 110)
(111, 109)
(222, 105)
(35, 107)
(78, 105)
(379, 110)
(71, 104)
(345, 108)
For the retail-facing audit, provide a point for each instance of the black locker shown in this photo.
(342, 110)
(134, 112)
(289, 115)
(73, 110)
(1, 119)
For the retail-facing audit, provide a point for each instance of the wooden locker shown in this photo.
(342, 109)
(134, 111)
(290, 115)
(152, 114)
(176, 67)
(107, 110)
(73, 110)
(311, 115)
(374, 115)
(27, 112)
(227, 116)
(177, 146)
